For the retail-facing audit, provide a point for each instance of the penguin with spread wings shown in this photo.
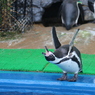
(67, 57)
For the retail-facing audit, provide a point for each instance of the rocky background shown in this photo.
(32, 10)
(39, 36)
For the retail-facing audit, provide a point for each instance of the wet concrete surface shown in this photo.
(40, 36)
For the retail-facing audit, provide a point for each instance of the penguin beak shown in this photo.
(47, 52)
(46, 49)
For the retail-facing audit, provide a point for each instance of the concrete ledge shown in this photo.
(29, 83)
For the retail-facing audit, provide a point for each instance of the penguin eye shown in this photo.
(50, 58)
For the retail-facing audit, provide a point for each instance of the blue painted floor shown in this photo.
(33, 83)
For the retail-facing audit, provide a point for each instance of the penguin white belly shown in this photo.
(69, 66)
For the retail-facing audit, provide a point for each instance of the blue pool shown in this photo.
(18, 93)
(33, 83)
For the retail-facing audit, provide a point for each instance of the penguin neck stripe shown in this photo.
(76, 60)
(65, 59)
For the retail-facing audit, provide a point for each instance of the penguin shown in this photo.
(91, 5)
(66, 57)
(71, 12)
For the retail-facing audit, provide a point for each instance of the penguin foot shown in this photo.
(63, 78)
(74, 79)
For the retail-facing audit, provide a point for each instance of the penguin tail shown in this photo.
(56, 41)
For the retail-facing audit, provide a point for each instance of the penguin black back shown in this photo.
(63, 51)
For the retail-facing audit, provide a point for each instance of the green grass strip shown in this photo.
(33, 60)
(22, 59)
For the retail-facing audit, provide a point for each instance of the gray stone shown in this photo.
(38, 8)
(84, 2)
(88, 14)
(36, 3)
(46, 3)
(37, 14)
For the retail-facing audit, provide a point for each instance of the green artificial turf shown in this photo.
(22, 59)
(33, 60)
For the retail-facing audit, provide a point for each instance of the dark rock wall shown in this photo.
(32, 10)
(39, 8)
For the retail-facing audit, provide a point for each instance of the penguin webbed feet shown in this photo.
(74, 79)
(64, 78)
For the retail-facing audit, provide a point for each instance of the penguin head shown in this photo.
(68, 26)
(48, 55)
(70, 13)
(56, 56)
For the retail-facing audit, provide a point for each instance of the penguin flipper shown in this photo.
(71, 44)
(72, 41)
(56, 42)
